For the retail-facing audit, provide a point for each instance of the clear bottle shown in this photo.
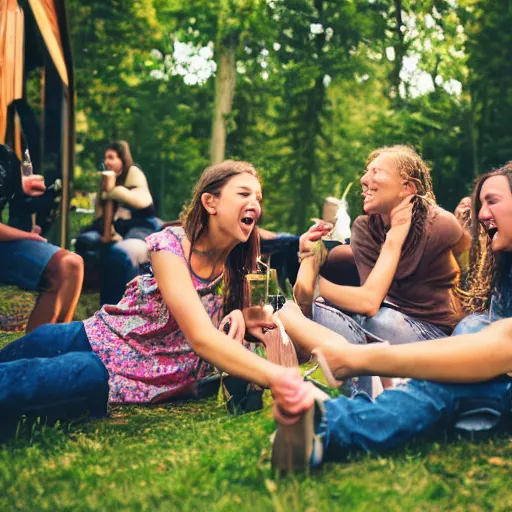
(26, 167)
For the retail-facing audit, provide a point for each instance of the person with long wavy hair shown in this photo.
(487, 294)
(166, 333)
(461, 384)
(405, 295)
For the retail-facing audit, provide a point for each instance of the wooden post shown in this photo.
(108, 181)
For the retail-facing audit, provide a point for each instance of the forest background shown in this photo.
(304, 89)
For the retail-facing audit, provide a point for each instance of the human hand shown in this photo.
(108, 181)
(33, 185)
(401, 218)
(312, 235)
(114, 237)
(235, 324)
(35, 236)
(292, 395)
(258, 318)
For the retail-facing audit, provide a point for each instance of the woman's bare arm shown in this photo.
(135, 192)
(209, 343)
(465, 358)
(367, 299)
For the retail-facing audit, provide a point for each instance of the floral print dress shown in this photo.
(146, 354)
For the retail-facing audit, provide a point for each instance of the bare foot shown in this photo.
(335, 360)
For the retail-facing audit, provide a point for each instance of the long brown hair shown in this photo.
(413, 169)
(243, 258)
(122, 148)
(486, 269)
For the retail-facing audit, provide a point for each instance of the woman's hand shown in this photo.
(235, 321)
(293, 396)
(401, 217)
(312, 235)
(258, 318)
(33, 185)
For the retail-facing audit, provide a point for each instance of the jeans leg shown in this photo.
(398, 415)
(472, 323)
(117, 269)
(339, 322)
(397, 328)
(343, 324)
(62, 387)
(48, 340)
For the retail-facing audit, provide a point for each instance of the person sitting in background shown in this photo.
(468, 385)
(28, 260)
(134, 218)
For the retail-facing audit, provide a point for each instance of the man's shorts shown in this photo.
(22, 262)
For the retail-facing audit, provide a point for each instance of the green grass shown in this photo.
(194, 456)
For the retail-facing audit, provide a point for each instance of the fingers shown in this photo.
(258, 316)
(292, 395)
(313, 234)
(402, 213)
(236, 325)
(37, 237)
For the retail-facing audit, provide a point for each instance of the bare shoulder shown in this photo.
(135, 177)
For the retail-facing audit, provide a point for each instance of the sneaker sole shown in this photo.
(293, 444)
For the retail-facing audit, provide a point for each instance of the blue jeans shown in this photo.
(387, 325)
(52, 373)
(472, 323)
(24, 262)
(421, 408)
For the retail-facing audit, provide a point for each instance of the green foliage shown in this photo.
(316, 91)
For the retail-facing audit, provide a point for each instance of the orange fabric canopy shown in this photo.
(11, 59)
(47, 21)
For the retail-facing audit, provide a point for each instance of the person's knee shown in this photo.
(72, 266)
(64, 267)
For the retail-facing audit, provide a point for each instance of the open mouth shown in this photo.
(248, 221)
(491, 232)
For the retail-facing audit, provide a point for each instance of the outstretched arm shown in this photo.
(465, 358)
(214, 346)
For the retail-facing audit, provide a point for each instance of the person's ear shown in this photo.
(209, 202)
(408, 188)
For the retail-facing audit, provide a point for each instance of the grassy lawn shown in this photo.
(194, 456)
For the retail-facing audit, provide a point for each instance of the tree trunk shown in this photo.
(225, 82)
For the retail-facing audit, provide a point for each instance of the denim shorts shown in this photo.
(22, 262)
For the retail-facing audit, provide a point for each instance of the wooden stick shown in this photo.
(107, 184)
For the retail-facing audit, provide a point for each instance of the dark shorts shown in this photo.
(22, 262)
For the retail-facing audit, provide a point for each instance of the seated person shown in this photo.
(282, 249)
(134, 219)
(28, 260)
(162, 337)
(466, 374)
(407, 291)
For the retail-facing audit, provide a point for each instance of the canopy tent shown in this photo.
(34, 35)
